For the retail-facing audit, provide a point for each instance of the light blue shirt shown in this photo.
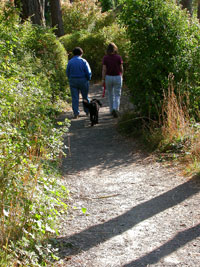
(78, 67)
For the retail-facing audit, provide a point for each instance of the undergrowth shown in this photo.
(32, 193)
(174, 136)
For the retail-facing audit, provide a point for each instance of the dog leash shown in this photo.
(104, 89)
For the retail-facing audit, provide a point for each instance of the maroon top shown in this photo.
(113, 63)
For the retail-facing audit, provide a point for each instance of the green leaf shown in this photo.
(84, 210)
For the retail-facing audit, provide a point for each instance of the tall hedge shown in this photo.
(164, 39)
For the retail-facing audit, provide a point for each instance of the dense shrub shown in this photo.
(49, 53)
(163, 40)
(106, 19)
(94, 45)
(106, 5)
(52, 58)
(30, 143)
(80, 15)
(85, 15)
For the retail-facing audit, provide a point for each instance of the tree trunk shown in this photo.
(187, 4)
(56, 17)
(43, 10)
(198, 11)
(33, 9)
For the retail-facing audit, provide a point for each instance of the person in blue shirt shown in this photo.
(79, 74)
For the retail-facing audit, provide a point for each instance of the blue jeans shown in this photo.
(113, 86)
(78, 85)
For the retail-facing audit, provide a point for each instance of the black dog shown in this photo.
(93, 107)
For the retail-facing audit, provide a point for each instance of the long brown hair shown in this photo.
(112, 49)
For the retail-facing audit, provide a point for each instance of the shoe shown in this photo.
(115, 113)
(76, 116)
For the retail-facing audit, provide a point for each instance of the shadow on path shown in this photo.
(96, 146)
(99, 146)
(97, 234)
(172, 245)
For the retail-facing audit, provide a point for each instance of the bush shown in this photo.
(30, 143)
(28, 43)
(52, 58)
(163, 40)
(80, 15)
(94, 45)
(107, 5)
(106, 19)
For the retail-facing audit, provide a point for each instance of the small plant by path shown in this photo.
(130, 209)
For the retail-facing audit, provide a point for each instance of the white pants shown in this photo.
(113, 87)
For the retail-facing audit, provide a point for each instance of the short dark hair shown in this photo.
(77, 51)
(112, 49)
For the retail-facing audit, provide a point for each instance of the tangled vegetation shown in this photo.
(164, 39)
(31, 80)
(163, 79)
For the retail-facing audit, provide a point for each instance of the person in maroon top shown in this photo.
(112, 72)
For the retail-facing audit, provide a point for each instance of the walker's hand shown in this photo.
(103, 88)
(102, 83)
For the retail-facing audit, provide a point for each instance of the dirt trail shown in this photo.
(139, 212)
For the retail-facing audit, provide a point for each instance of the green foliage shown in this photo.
(163, 40)
(85, 15)
(30, 141)
(29, 43)
(87, 27)
(80, 15)
(94, 45)
(106, 5)
(106, 19)
(52, 58)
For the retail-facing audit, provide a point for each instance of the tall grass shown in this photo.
(179, 130)
(175, 116)
(175, 135)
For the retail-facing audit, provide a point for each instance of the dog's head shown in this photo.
(96, 101)
(91, 103)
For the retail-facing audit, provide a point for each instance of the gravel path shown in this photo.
(139, 212)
